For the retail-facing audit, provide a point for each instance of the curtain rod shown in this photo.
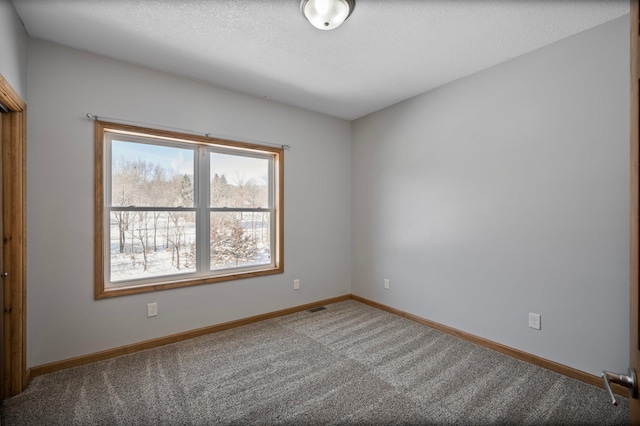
(92, 116)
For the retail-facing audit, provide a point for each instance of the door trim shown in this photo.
(13, 141)
(634, 200)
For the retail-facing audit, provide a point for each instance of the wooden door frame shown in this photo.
(634, 199)
(14, 141)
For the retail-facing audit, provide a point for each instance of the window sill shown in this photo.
(103, 292)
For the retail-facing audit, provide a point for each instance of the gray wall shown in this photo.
(505, 193)
(64, 320)
(13, 47)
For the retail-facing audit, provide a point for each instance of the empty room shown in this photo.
(319, 212)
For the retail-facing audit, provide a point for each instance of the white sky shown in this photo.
(181, 160)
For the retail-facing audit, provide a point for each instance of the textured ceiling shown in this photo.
(387, 51)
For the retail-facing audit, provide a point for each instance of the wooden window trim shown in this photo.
(101, 291)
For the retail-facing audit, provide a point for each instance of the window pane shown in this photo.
(149, 243)
(240, 239)
(238, 181)
(146, 175)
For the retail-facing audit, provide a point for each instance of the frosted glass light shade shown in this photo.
(326, 14)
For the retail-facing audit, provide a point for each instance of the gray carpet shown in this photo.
(348, 364)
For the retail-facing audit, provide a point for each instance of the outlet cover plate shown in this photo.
(152, 309)
(534, 321)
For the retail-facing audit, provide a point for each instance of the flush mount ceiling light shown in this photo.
(327, 14)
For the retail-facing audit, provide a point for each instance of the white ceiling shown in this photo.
(387, 51)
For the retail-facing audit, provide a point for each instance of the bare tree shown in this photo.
(142, 234)
(175, 235)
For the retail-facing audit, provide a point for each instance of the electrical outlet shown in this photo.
(152, 309)
(534, 321)
(296, 284)
(386, 283)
